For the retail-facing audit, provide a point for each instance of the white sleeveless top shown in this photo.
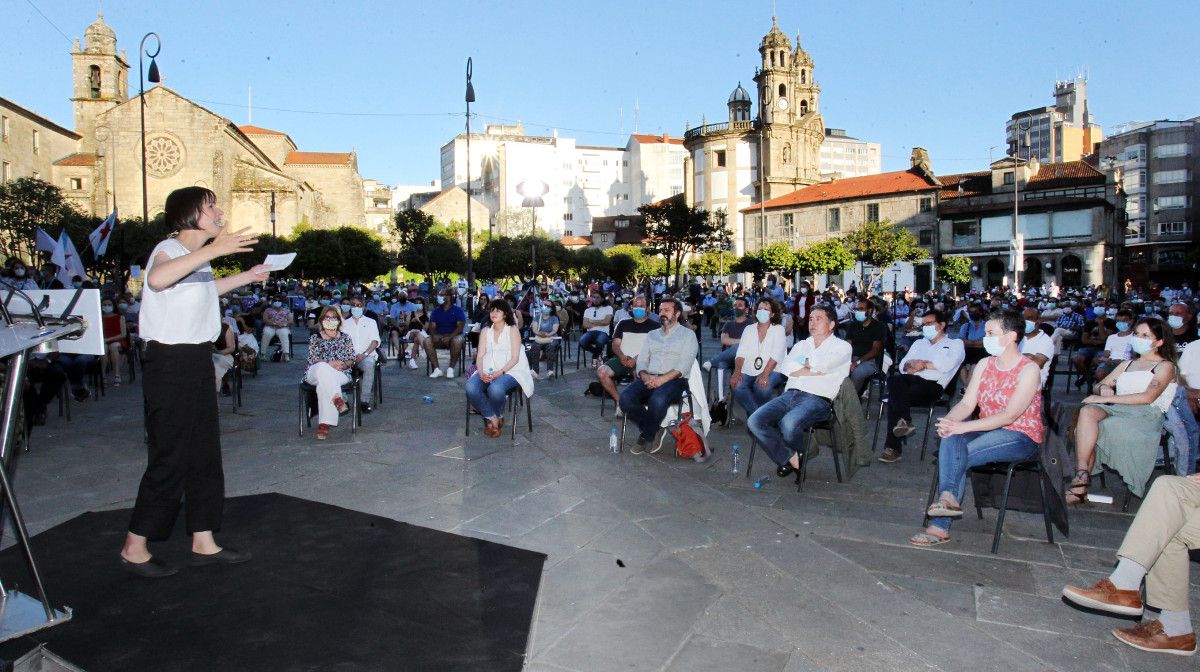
(499, 351)
(1136, 382)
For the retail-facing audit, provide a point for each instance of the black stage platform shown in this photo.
(328, 589)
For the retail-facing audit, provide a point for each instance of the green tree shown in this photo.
(236, 263)
(444, 255)
(881, 244)
(363, 256)
(318, 254)
(457, 229)
(827, 257)
(631, 262)
(778, 258)
(713, 263)
(954, 270)
(676, 230)
(25, 205)
(752, 263)
(590, 263)
(412, 229)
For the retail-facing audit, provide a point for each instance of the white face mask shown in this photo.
(762, 315)
(330, 325)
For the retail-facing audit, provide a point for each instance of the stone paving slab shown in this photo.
(654, 563)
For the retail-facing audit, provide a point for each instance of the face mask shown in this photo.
(229, 313)
(77, 285)
(860, 315)
(929, 331)
(107, 309)
(337, 295)
(1004, 306)
(329, 325)
(345, 307)
(325, 302)
(1176, 321)
(762, 315)
(1067, 310)
(738, 312)
(1122, 326)
(992, 345)
(356, 311)
(375, 296)
(1141, 345)
(123, 306)
(803, 290)
(545, 310)
(771, 284)
(19, 272)
(1111, 312)
(277, 304)
(638, 313)
(1030, 326)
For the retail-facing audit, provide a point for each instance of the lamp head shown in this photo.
(153, 75)
(470, 92)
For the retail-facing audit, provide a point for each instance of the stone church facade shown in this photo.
(187, 144)
(723, 166)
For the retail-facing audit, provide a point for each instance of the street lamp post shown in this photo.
(532, 192)
(154, 79)
(470, 98)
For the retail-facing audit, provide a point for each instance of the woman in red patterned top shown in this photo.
(1005, 388)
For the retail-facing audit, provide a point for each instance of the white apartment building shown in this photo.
(582, 181)
(844, 156)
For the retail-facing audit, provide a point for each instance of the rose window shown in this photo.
(163, 156)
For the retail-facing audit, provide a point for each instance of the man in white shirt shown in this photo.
(925, 372)
(596, 322)
(364, 332)
(815, 369)
(1036, 345)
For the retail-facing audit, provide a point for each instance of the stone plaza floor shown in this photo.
(654, 563)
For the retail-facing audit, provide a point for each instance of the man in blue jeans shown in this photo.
(815, 369)
(731, 335)
(660, 376)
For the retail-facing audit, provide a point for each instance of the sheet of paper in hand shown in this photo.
(278, 262)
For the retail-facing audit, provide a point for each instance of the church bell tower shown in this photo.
(101, 79)
(792, 126)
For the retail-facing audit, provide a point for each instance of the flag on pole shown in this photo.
(99, 237)
(67, 259)
(45, 242)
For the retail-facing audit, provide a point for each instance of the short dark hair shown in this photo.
(182, 208)
(830, 313)
(504, 307)
(1010, 320)
(776, 309)
(938, 315)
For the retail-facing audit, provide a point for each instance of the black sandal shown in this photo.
(1077, 492)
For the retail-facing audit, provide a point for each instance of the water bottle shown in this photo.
(614, 442)
(761, 482)
(735, 458)
(427, 399)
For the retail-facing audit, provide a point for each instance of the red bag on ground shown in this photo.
(687, 442)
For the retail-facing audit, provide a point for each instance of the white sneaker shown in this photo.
(450, 372)
(619, 413)
(437, 373)
(707, 366)
(549, 374)
(412, 363)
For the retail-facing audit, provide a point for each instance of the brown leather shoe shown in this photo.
(491, 430)
(1106, 597)
(1149, 636)
(322, 431)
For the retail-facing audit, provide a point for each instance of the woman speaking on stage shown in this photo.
(179, 321)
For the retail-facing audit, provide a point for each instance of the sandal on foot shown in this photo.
(925, 540)
(944, 509)
(1077, 491)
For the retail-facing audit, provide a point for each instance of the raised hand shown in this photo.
(232, 242)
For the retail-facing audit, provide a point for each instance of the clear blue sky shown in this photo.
(939, 74)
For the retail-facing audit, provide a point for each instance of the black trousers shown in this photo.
(905, 391)
(179, 390)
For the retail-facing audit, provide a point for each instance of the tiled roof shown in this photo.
(852, 187)
(319, 158)
(87, 160)
(258, 130)
(1049, 176)
(652, 139)
(580, 241)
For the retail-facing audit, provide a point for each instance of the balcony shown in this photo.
(723, 127)
(1135, 232)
